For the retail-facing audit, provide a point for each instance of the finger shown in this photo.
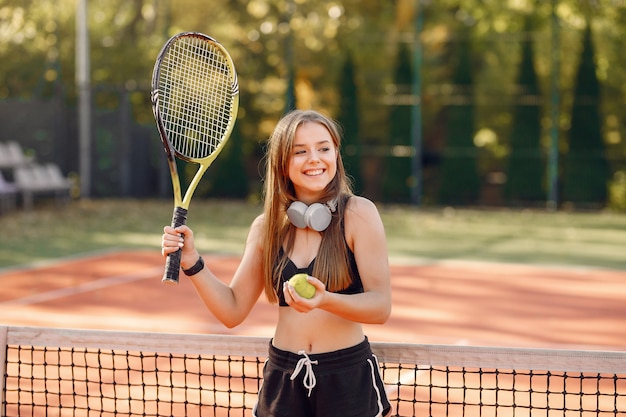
(296, 301)
(170, 230)
(319, 285)
(287, 293)
(172, 240)
(183, 230)
(171, 243)
(166, 250)
(292, 297)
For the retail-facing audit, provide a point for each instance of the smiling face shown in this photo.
(313, 161)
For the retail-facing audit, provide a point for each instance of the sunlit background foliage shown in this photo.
(313, 39)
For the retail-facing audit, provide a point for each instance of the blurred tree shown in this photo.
(227, 175)
(397, 162)
(348, 117)
(460, 183)
(290, 96)
(585, 168)
(37, 59)
(525, 163)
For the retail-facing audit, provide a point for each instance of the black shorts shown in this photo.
(344, 383)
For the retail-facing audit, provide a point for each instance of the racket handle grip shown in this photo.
(172, 263)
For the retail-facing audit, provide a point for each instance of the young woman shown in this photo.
(319, 362)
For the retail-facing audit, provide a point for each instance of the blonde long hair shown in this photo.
(331, 265)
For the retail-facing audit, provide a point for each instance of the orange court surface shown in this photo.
(439, 302)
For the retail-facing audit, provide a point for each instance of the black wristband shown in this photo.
(197, 267)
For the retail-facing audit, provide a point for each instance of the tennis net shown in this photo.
(64, 372)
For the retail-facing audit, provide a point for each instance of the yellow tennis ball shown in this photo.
(303, 287)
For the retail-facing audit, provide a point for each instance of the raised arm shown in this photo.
(230, 302)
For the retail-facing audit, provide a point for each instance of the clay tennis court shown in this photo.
(465, 303)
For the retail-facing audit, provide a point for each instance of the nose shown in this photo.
(314, 156)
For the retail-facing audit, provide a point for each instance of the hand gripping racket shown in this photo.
(195, 97)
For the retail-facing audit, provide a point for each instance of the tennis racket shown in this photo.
(195, 98)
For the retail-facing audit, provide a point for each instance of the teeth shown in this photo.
(315, 172)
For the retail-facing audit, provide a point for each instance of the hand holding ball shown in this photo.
(304, 288)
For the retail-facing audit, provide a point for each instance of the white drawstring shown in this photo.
(309, 380)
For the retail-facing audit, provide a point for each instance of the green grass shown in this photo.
(522, 236)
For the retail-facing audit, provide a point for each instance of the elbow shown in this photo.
(380, 310)
(382, 315)
(385, 310)
(230, 324)
(231, 321)
(382, 319)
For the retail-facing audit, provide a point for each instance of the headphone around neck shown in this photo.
(317, 216)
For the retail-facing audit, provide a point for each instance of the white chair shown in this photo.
(17, 155)
(41, 179)
(56, 178)
(8, 195)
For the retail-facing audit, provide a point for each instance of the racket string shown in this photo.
(196, 96)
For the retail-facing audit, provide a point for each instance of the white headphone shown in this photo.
(317, 216)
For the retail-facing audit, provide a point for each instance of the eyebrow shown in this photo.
(321, 142)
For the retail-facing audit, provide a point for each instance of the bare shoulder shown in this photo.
(362, 221)
(258, 222)
(256, 230)
(361, 207)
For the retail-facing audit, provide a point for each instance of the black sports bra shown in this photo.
(355, 287)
